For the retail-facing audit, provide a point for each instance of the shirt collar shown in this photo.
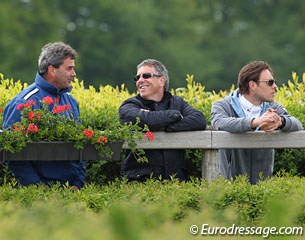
(249, 108)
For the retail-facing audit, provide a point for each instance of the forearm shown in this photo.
(155, 120)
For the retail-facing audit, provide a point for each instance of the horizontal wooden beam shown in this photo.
(209, 139)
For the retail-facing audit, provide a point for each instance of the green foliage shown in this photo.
(210, 39)
(151, 210)
(26, 26)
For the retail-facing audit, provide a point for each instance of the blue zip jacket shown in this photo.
(47, 172)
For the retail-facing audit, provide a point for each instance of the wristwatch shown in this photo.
(283, 122)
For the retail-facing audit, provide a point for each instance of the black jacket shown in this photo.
(171, 114)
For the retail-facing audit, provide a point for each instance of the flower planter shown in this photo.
(60, 151)
(90, 153)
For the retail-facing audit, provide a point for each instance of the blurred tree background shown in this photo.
(211, 39)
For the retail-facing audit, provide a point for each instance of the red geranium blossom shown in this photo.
(59, 109)
(31, 115)
(48, 100)
(89, 133)
(103, 139)
(149, 135)
(32, 128)
(16, 128)
(67, 107)
(29, 103)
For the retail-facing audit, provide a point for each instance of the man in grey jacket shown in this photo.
(251, 107)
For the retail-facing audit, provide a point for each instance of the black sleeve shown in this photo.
(192, 119)
(132, 109)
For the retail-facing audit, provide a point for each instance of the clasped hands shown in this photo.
(268, 122)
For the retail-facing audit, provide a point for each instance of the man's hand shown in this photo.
(74, 188)
(269, 121)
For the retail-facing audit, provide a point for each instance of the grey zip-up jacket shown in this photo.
(227, 115)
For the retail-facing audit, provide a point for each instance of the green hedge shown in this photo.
(154, 210)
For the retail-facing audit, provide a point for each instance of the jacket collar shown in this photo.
(42, 83)
(166, 95)
(235, 103)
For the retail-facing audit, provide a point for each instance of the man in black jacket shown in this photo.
(160, 111)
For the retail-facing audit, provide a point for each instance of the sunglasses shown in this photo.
(269, 82)
(145, 76)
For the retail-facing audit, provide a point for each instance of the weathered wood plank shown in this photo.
(210, 164)
(260, 139)
(177, 140)
(220, 139)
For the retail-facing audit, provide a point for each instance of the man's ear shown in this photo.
(252, 85)
(51, 70)
(162, 81)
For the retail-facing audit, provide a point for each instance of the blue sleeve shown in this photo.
(11, 115)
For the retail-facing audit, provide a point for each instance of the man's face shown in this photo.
(265, 92)
(151, 88)
(64, 75)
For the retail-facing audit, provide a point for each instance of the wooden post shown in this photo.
(210, 164)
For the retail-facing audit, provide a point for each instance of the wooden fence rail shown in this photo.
(210, 141)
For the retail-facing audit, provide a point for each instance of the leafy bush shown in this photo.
(154, 210)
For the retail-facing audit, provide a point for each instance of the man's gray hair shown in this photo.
(54, 54)
(160, 68)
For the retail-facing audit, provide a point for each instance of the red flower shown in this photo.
(89, 133)
(149, 135)
(29, 103)
(103, 139)
(16, 128)
(0, 110)
(48, 100)
(59, 109)
(31, 115)
(20, 106)
(67, 107)
(25, 105)
(32, 128)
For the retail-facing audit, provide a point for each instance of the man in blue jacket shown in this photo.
(160, 111)
(56, 71)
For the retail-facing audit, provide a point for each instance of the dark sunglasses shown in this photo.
(145, 76)
(269, 82)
